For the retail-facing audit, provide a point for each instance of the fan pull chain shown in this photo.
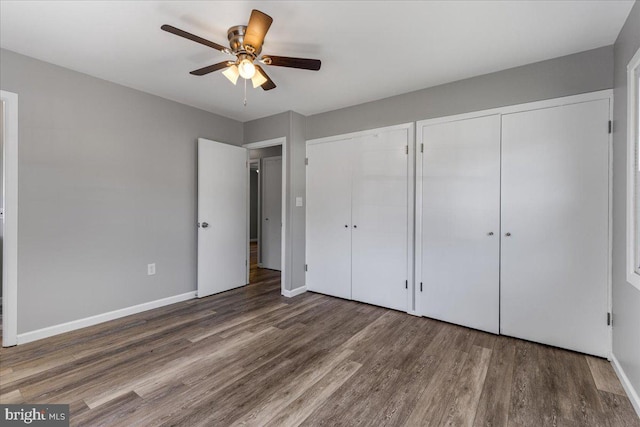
(245, 92)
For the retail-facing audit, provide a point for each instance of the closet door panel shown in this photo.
(380, 208)
(554, 263)
(328, 217)
(460, 241)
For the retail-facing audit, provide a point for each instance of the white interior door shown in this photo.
(379, 219)
(222, 217)
(554, 263)
(328, 217)
(271, 174)
(460, 238)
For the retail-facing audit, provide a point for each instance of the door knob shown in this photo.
(355, 226)
(346, 226)
(490, 233)
(266, 219)
(507, 234)
(205, 224)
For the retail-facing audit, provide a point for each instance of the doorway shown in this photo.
(267, 217)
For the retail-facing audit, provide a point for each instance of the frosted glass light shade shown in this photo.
(232, 73)
(258, 79)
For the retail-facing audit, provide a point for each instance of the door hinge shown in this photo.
(422, 148)
(420, 286)
(306, 161)
(306, 267)
(609, 319)
(406, 149)
(406, 284)
(610, 126)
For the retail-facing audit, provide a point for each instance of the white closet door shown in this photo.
(554, 265)
(271, 179)
(328, 217)
(460, 238)
(379, 203)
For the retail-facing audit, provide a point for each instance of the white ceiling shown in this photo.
(369, 49)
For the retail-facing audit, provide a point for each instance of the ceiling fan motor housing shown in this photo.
(235, 35)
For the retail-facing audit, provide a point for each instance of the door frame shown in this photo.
(508, 109)
(285, 225)
(10, 221)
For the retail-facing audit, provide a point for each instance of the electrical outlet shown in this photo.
(151, 269)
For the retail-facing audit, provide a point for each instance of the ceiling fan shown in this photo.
(245, 43)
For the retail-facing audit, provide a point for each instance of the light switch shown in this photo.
(298, 201)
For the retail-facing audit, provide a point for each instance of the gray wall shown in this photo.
(291, 126)
(569, 75)
(107, 183)
(626, 298)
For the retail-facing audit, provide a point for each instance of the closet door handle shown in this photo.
(507, 234)
(490, 233)
(346, 226)
(355, 226)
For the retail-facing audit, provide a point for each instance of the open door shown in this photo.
(222, 217)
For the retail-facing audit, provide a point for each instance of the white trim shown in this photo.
(285, 236)
(518, 108)
(359, 133)
(10, 221)
(266, 143)
(294, 292)
(626, 384)
(100, 318)
(633, 68)
(411, 219)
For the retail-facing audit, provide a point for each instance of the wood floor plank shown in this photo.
(493, 405)
(250, 356)
(604, 376)
(618, 410)
(462, 407)
(299, 409)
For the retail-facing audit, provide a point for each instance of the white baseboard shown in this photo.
(626, 384)
(100, 318)
(294, 292)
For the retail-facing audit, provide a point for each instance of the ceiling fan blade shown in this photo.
(181, 33)
(285, 61)
(211, 68)
(257, 28)
(269, 84)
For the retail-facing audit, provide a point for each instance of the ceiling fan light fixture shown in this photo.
(246, 68)
(258, 79)
(232, 73)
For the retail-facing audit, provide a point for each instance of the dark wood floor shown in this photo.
(252, 357)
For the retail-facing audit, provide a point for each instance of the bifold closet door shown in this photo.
(554, 262)
(380, 220)
(328, 217)
(460, 239)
